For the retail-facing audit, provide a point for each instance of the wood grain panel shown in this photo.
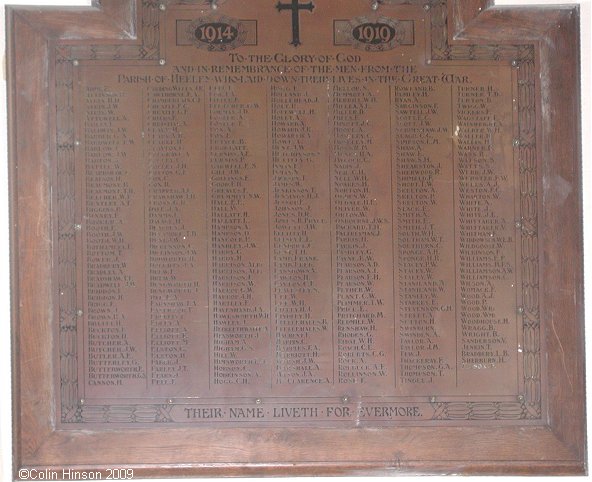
(556, 448)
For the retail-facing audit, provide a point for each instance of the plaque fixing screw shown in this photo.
(514, 63)
(258, 401)
(162, 7)
(521, 398)
(214, 4)
(516, 142)
(345, 399)
(75, 63)
(81, 402)
(162, 62)
(432, 399)
(427, 6)
(78, 227)
(79, 313)
(520, 310)
(374, 5)
(76, 143)
(518, 224)
(170, 401)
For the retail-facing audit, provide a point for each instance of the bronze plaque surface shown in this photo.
(310, 213)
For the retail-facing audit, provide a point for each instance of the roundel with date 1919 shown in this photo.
(381, 33)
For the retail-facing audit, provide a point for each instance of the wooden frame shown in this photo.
(557, 447)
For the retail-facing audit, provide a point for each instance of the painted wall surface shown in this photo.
(5, 382)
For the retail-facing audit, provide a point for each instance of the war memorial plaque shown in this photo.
(322, 234)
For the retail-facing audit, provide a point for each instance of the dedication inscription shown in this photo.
(307, 213)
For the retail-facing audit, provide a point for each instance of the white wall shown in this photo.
(5, 409)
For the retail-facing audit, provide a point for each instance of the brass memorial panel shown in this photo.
(303, 213)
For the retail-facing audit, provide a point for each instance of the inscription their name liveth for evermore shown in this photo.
(320, 219)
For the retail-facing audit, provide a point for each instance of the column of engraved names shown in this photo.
(171, 232)
(113, 355)
(361, 214)
(301, 243)
(486, 270)
(239, 254)
(424, 238)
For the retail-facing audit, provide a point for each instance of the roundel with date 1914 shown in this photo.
(378, 34)
(216, 34)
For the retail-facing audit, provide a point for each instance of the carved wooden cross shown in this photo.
(295, 6)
